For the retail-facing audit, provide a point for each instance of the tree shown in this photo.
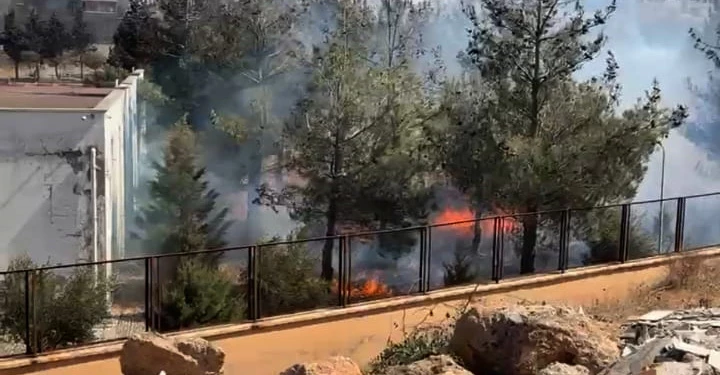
(34, 39)
(182, 214)
(13, 41)
(134, 42)
(547, 128)
(54, 41)
(342, 145)
(81, 38)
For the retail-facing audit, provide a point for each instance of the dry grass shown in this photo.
(689, 283)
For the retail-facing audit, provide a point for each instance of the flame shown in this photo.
(368, 287)
(450, 215)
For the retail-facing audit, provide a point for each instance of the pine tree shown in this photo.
(81, 39)
(182, 214)
(55, 40)
(34, 33)
(133, 41)
(13, 41)
(542, 129)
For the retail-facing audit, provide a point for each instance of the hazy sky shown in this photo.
(650, 40)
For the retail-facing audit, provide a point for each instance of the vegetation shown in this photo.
(65, 310)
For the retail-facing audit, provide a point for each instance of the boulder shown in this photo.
(518, 340)
(152, 353)
(434, 365)
(558, 368)
(332, 366)
(209, 356)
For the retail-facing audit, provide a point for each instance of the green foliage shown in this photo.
(81, 39)
(134, 41)
(93, 60)
(181, 215)
(418, 345)
(460, 271)
(289, 281)
(520, 107)
(13, 40)
(200, 295)
(602, 228)
(66, 309)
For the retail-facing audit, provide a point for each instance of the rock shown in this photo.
(558, 368)
(332, 366)
(642, 358)
(150, 353)
(520, 339)
(434, 365)
(683, 368)
(209, 356)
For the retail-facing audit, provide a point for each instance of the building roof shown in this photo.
(51, 96)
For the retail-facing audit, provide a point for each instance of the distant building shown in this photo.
(54, 205)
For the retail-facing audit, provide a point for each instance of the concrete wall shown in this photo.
(46, 195)
(361, 332)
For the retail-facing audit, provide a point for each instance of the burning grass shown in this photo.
(366, 288)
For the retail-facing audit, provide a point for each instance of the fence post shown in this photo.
(148, 294)
(422, 277)
(252, 284)
(343, 274)
(498, 249)
(564, 240)
(624, 233)
(680, 225)
(28, 298)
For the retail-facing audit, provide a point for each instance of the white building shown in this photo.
(54, 205)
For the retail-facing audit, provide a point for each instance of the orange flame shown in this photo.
(451, 215)
(369, 287)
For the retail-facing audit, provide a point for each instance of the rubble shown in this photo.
(674, 342)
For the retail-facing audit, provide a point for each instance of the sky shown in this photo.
(650, 40)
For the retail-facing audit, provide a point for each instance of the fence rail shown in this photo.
(283, 277)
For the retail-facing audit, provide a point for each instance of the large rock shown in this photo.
(209, 356)
(520, 340)
(332, 366)
(151, 353)
(435, 365)
(558, 368)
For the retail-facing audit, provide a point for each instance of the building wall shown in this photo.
(46, 205)
(45, 194)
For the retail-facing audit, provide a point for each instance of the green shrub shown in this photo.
(200, 294)
(289, 280)
(65, 309)
(418, 345)
(604, 239)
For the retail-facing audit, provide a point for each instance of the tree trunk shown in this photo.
(17, 70)
(530, 226)
(82, 69)
(327, 272)
(57, 72)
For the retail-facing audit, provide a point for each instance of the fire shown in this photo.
(369, 287)
(451, 215)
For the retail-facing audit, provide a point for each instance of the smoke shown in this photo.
(649, 40)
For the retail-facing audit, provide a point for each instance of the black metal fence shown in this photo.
(48, 308)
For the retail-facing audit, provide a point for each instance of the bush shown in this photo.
(93, 60)
(200, 294)
(287, 280)
(604, 240)
(65, 309)
(418, 345)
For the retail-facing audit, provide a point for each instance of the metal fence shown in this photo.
(48, 308)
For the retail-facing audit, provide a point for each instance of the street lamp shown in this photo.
(662, 193)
